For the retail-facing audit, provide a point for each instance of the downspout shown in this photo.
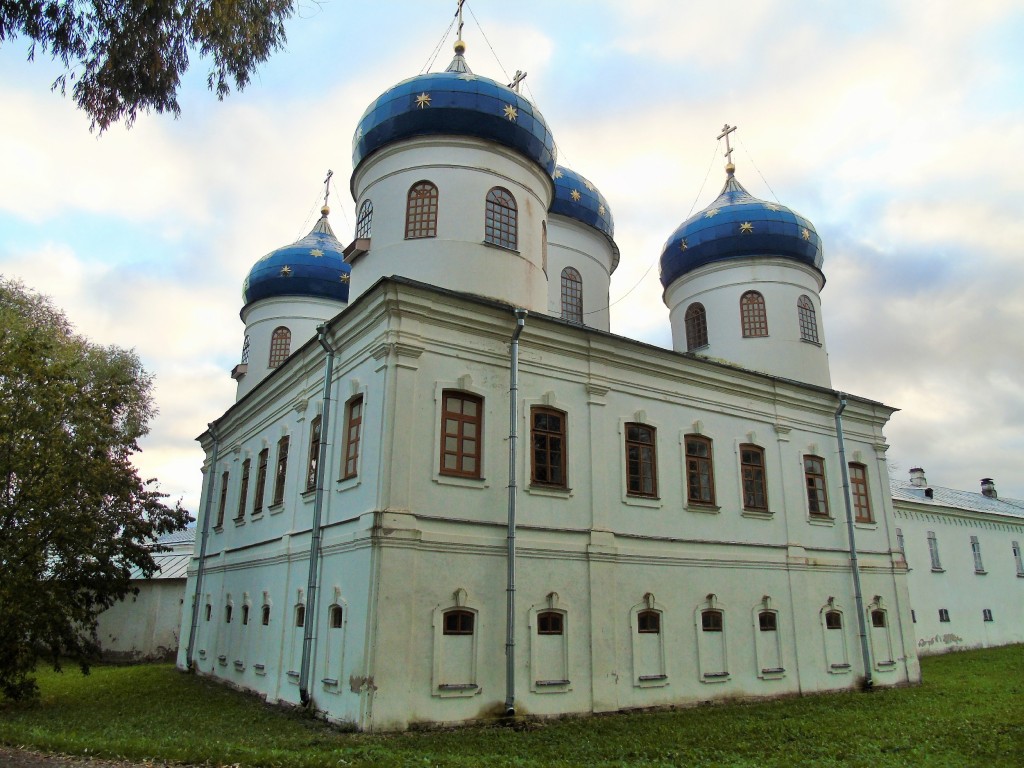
(202, 550)
(318, 505)
(510, 592)
(854, 563)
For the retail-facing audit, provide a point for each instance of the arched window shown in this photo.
(336, 616)
(500, 224)
(572, 296)
(808, 321)
(833, 620)
(648, 622)
(700, 471)
(245, 614)
(265, 615)
(550, 623)
(300, 615)
(280, 346)
(458, 622)
(752, 314)
(245, 350)
(755, 487)
(711, 621)
(421, 211)
(364, 220)
(641, 461)
(696, 327)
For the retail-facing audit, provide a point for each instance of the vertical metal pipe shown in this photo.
(854, 562)
(314, 538)
(510, 592)
(207, 509)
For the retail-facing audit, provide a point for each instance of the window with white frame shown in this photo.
(1017, 559)
(933, 550)
(979, 566)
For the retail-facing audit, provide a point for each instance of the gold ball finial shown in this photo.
(325, 210)
(460, 47)
(730, 168)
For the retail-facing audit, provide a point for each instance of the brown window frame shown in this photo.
(572, 295)
(461, 422)
(648, 622)
(314, 452)
(281, 473)
(646, 454)
(222, 502)
(754, 477)
(816, 485)
(696, 322)
(261, 480)
(421, 211)
(243, 490)
(833, 620)
(808, 319)
(551, 623)
(546, 442)
(712, 620)
(700, 468)
(280, 346)
(353, 437)
(753, 315)
(501, 219)
(364, 222)
(458, 621)
(859, 493)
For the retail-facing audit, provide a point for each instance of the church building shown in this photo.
(448, 491)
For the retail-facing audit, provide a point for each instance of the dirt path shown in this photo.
(26, 758)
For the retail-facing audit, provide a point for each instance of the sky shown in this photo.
(897, 128)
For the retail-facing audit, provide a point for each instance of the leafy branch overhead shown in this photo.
(127, 56)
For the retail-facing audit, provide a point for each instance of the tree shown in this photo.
(75, 517)
(129, 55)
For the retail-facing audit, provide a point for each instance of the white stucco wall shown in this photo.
(146, 626)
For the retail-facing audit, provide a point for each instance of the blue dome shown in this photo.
(312, 266)
(454, 102)
(738, 225)
(578, 199)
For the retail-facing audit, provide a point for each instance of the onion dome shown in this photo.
(312, 266)
(455, 102)
(578, 199)
(738, 225)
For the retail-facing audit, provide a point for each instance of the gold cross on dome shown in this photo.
(726, 130)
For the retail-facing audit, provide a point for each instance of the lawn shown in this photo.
(968, 712)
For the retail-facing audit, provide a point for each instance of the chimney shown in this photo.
(988, 488)
(917, 478)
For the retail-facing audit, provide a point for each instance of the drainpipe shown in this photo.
(510, 592)
(207, 511)
(318, 505)
(854, 563)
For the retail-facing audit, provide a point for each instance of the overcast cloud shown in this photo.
(897, 128)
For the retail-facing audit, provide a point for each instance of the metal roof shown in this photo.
(967, 501)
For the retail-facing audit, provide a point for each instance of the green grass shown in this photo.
(968, 712)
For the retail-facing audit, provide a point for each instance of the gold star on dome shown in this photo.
(286, 271)
(601, 210)
(746, 228)
(683, 245)
(345, 277)
(316, 253)
(575, 195)
(805, 233)
(772, 207)
(511, 112)
(711, 214)
(423, 100)
(558, 173)
(588, 185)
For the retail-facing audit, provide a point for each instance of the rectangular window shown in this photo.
(768, 621)
(900, 542)
(547, 434)
(859, 493)
(243, 491)
(222, 504)
(711, 621)
(943, 615)
(314, 454)
(1016, 557)
(641, 461)
(282, 470)
(817, 495)
(461, 434)
(261, 480)
(986, 614)
(755, 491)
(700, 473)
(648, 622)
(933, 550)
(979, 567)
(353, 434)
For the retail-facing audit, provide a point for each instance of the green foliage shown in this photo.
(129, 55)
(966, 713)
(75, 518)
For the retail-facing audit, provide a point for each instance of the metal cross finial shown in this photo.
(726, 130)
(459, 14)
(327, 186)
(520, 76)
